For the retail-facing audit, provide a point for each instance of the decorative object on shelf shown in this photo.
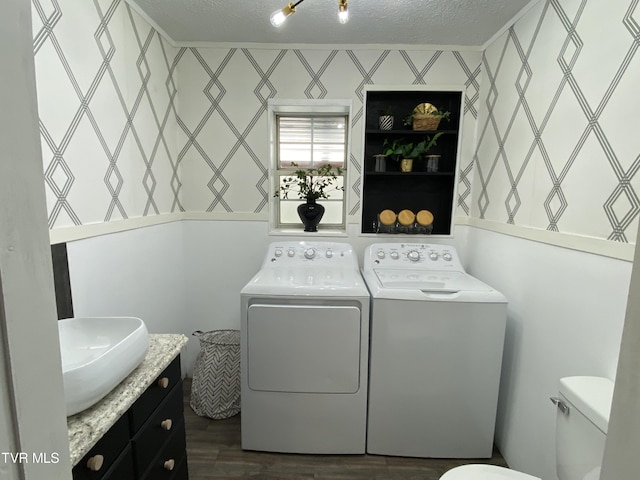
(385, 120)
(387, 217)
(279, 16)
(310, 184)
(406, 219)
(432, 162)
(393, 148)
(426, 116)
(424, 222)
(386, 222)
(401, 152)
(406, 165)
(381, 162)
(408, 152)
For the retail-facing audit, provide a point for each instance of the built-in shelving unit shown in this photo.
(416, 190)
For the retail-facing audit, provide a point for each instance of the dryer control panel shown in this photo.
(321, 253)
(421, 256)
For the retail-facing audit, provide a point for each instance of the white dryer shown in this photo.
(304, 351)
(437, 337)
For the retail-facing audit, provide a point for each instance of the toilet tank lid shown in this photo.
(591, 396)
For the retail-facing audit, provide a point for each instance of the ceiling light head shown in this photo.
(343, 11)
(279, 16)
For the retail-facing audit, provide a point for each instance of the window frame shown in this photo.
(333, 107)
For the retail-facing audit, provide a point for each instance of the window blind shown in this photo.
(311, 141)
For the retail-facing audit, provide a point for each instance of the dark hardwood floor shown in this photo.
(213, 450)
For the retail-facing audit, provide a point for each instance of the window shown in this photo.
(309, 136)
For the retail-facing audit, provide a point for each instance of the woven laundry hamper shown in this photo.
(215, 389)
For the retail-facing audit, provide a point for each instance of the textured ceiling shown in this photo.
(417, 22)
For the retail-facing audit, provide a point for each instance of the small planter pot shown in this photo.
(432, 162)
(385, 122)
(381, 163)
(406, 164)
(310, 213)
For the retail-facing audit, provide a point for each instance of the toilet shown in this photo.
(583, 405)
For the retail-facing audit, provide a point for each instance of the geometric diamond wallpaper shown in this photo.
(223, 135)
(132, 126)
(106, 97)
(558, 142)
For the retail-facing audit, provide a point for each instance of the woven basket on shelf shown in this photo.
(426, 117)
(425, 122)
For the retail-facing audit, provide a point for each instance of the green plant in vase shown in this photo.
(310, 184)
(406, 153)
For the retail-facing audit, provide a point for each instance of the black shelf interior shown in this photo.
(419, 189)
(402, 104)
(411, 192)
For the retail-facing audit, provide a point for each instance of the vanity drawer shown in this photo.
(123, 469)
(181, 473)
(166, 420)
(153, 395)
(108, 448)
(170, 464)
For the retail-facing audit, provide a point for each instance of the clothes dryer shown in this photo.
(304, 351)
(437, 337)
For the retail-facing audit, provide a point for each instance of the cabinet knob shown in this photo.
(163, 382)
(95, 463)
(166, 424)
(169, 464)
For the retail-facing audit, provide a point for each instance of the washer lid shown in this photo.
(320, 281)
(429, 281)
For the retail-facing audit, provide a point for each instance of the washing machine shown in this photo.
(304, 351)
(437, 337)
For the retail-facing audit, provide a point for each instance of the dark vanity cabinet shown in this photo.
(147, 442)
(110, 458)
(422, 188)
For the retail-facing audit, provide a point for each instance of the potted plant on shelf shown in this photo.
(311, 184)
(406, 153)
(385, 119)
(426, 117)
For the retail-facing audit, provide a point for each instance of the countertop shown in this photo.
(88, 426)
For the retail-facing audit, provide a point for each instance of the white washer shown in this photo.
(437, 336)
(304, 351)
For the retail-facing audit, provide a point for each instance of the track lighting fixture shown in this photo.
(279, 16)
(343, 12)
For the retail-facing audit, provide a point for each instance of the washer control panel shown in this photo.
(299, 253)
(420, 256)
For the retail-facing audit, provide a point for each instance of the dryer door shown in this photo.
(303, 348)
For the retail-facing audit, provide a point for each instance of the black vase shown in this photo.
(310, 213)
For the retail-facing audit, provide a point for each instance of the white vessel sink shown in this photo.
(97, 354)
